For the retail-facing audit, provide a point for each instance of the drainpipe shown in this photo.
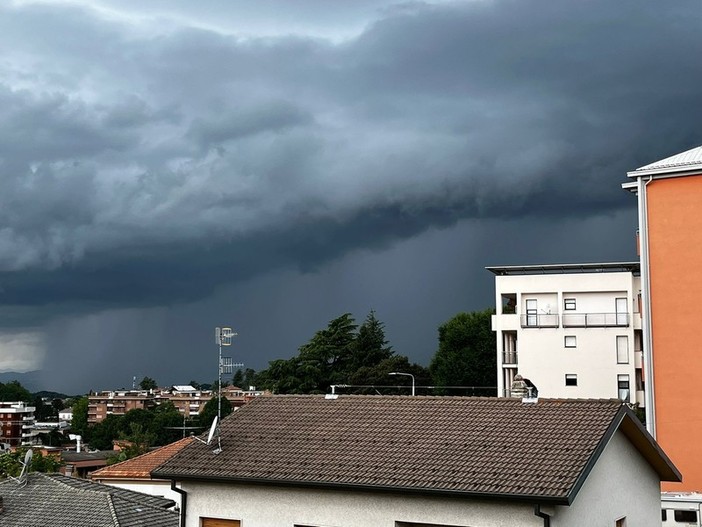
(648, 324)
(546, 517)
(183, 501)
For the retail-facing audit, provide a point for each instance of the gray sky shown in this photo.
(170, 167)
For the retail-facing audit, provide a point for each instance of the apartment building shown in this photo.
(118, 402)
(16, 421)
(188, 400)
(574, 330)
(670, 237)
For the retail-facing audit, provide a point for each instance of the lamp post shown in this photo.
(405, 374)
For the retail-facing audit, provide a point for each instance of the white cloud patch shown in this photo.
(21, 351)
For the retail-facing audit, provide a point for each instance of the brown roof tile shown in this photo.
(449, 444)
(140, 467)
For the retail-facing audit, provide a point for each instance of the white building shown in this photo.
(574, 330)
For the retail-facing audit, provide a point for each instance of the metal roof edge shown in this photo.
(670, 171)
(555, 268)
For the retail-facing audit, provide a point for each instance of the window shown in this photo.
(621, 522)
(571, 379)
(664, 515)
(623, 387)
(685, 516)
(622, 349)
(569, 304)
(218, 522)
(570, 341)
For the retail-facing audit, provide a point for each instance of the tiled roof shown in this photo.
(476, 446)
(684, 159)
(60, 501)
(140, 467)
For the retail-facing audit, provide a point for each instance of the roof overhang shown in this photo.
(608, 267)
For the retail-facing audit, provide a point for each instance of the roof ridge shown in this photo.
(113, 511)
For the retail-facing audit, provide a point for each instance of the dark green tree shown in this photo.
(79, 424)
(371, 346)
(14, 391)
(147, 383)
(466, 354)
(166, 418)
(42, 412)
(209, 411)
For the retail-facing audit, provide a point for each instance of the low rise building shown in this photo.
(423, 461)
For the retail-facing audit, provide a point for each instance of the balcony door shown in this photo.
(620, 307)
(532, 318)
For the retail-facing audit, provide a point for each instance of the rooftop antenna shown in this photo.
(223, 337)
(22, 479)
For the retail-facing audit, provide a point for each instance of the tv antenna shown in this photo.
(22, 479)
(223, 337)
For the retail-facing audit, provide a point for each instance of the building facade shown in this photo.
(574, 330)
(670, 235)
(16, 421)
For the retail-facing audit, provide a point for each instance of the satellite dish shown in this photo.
(213, 428)
(28, 457)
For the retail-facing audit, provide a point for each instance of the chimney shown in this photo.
(69, 469)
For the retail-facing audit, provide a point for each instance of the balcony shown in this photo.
(509, 358)
(596, 320)
(638, 359)
(539, 321)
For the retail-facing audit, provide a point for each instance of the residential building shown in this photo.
(681, 509)
(16, 420)
(119, 402)
(670, 238)
(423, 461)
(135, 474)
(188, 400)
(574, 330)
(60, 501)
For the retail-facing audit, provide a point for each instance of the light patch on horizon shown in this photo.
(22, 351)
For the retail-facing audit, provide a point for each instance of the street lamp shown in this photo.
(407, 375)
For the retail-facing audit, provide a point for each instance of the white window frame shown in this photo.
(569, 304)
(570, 341)
(571, 377)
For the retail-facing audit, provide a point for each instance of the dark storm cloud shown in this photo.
(144, 167)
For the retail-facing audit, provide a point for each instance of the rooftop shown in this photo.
(485, 447)
(684, 161)
(140, 467)
(609, 267)
(61, 501)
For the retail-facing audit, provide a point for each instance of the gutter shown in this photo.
(546, 517)
(183, 501)
(423, 491)
(648, 324)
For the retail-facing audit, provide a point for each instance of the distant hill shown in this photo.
(51, 395)
(29, 380)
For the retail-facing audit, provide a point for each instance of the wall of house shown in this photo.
(542, 354)
(675, 256)
(153, 488)
(622, 484)
(259, 506)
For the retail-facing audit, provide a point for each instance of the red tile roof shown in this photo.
(476, 446)
(140, 467)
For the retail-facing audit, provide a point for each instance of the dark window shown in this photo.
(569, 304)
(664, 515)
(686, 516)
(571, 379)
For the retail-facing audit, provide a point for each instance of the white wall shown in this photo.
(622, 484)
(154, 488)
(258, 506)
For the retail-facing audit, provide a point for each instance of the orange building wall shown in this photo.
(675, 258)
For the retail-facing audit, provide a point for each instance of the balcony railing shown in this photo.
(595, 320)
(539, 321)
(509, 357)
